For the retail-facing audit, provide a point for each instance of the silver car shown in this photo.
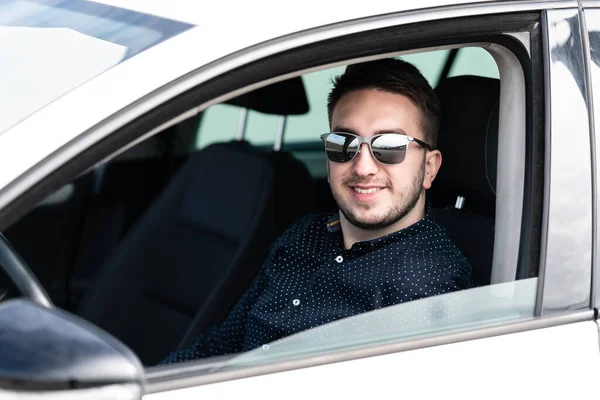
(151, 152)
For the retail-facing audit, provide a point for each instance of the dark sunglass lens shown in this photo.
(340, 147)
(390, 148)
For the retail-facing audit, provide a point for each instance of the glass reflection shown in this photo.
(568, 257)
(592, 18)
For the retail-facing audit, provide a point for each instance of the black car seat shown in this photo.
(201, 242)
(468, 140)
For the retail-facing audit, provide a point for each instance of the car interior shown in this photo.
(170, 233)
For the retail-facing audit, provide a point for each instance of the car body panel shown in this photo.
(539, 363)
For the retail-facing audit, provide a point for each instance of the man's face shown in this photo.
(372, 195)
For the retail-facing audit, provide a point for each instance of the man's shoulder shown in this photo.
(444, 253)
(428, 235)
(309, 223)
(307, 234)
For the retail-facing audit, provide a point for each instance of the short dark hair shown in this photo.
(393, 76)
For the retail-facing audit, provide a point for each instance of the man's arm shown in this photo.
(447, 274)
(229, 336)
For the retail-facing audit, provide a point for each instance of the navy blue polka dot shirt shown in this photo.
(310, 279)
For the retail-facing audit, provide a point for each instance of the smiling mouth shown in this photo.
(365, 191)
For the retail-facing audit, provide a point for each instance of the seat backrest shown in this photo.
(468, 140)
(198, 246)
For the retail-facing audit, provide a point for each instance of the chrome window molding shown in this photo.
(585, 38)
(179, 376)
(566, 259)
(591, 21)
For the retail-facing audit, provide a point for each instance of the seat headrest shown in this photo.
(468, 140)
(282, 98)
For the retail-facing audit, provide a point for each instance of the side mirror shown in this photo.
(51, 354)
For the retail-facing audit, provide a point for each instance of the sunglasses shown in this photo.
(387, 148)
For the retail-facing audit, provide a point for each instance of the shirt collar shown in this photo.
(334, 226)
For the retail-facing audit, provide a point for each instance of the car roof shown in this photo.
(278, 20)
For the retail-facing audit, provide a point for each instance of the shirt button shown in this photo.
(296, 302)
(339, 259)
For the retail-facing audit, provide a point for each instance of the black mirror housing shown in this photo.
(43, 350)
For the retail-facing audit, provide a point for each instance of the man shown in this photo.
(382, 247)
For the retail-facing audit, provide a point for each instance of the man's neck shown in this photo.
(353, 234)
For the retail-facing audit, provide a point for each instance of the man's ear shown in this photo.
(433, 161)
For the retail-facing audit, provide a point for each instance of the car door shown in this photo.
(532, 332)
(553, 318)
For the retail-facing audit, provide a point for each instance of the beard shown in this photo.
(398, 210)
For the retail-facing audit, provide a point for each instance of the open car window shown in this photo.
(487, 305)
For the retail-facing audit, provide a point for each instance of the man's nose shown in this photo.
(364, 164)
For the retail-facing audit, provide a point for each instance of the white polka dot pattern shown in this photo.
(309, 279)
